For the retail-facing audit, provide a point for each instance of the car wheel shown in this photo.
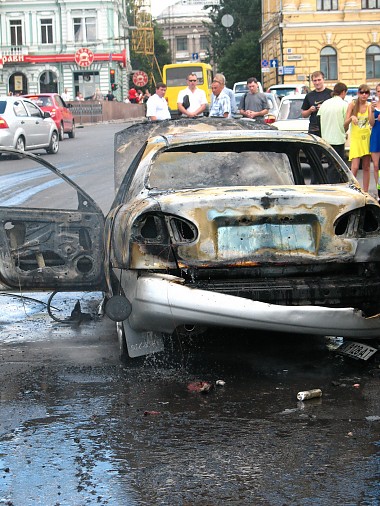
(72, 133)
(20, 144)
(61, 132)
(54, 144)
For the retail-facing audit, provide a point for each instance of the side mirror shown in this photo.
(47, 114)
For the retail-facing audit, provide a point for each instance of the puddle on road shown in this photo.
(16, 307)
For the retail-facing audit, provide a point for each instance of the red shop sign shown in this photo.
(84, 57)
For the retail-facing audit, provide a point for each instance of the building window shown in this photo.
(85, 29)
(203, 42)
(47, 31)
(329, 63)
(181, 43)
(16, 32)
(370, 4)
(372, 62)
(327, 5)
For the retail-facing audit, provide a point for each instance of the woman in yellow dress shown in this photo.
(360, 115)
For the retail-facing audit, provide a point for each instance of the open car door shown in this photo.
(51, 231)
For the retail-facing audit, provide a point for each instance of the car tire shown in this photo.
(61, 132)
(54, 144)
(20, 144)
(72, 133)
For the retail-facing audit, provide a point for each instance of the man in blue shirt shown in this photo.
(220, 78)
(221, 103)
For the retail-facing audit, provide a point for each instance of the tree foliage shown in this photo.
(235, 50)
(242, 59)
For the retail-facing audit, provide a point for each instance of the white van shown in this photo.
(282, 90)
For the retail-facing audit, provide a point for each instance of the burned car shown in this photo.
(214, 223)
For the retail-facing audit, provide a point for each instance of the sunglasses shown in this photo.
(192, 80)
(364, 92)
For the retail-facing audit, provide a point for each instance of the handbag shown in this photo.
(186, 102)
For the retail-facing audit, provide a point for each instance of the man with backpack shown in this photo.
(253, 104)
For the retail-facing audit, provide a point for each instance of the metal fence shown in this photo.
(93, 111)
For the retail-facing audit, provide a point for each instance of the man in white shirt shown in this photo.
(197, 99)
(157, 107)
(65, 95)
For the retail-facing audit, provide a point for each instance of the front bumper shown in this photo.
(162, 303)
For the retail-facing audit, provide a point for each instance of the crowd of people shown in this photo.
(330, 116)
(192, 101)
(137, 96)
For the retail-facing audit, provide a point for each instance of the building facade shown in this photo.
(339, 37)
(183, 28)
(49, 46)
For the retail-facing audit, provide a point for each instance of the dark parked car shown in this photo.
(24, 126)
(215, 222)
(59, 111)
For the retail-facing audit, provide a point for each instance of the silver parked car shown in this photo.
(24, 126)
(216, 222)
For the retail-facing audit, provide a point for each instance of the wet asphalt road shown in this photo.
(78, 427)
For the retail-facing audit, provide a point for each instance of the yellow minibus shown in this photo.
(175, 75)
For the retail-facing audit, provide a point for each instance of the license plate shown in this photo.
(240, 241)
(359, 351)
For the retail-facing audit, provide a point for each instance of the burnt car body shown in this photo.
(215, 222)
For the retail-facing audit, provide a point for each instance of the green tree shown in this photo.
(161, 51)
(244, 61)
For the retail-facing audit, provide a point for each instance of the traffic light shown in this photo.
(112, 78)
(114, 86)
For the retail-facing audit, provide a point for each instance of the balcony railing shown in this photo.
(14, 50)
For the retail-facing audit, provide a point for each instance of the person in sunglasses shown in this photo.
(360, 117)
(192, 101)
